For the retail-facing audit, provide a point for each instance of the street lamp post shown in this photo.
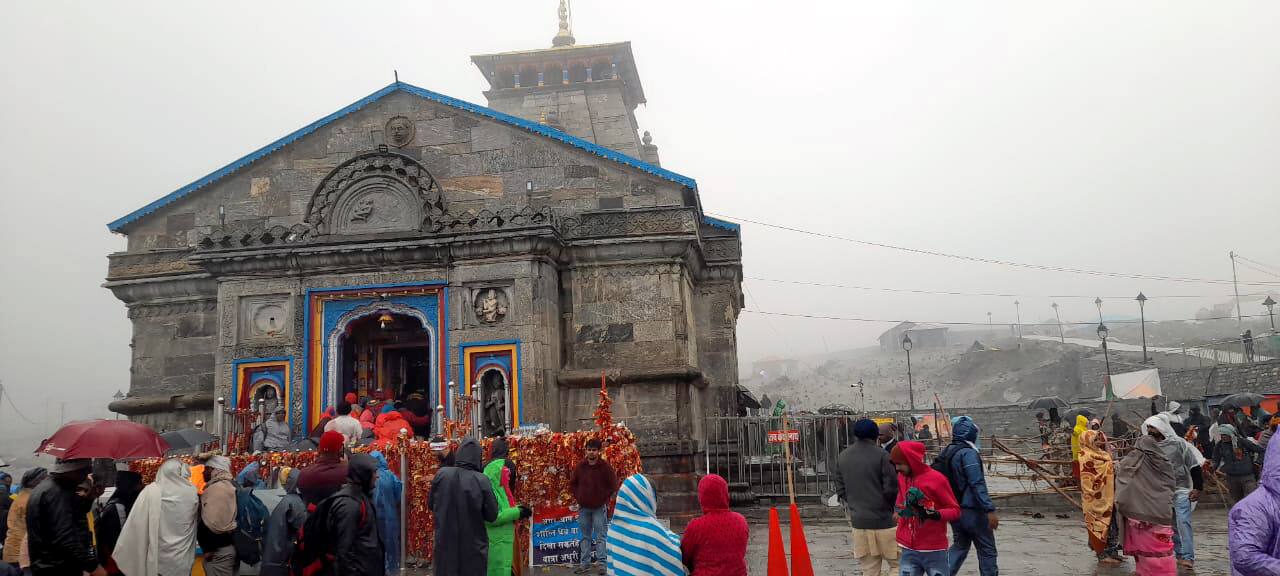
(989, 326)
(1142, 315)
(1018, 306)
(1102, 334)
(1098, 303)
(118, 396)
(862, 392)
(911, 393)
(1061, 337)
(1271, 311)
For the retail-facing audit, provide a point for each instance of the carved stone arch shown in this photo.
(376, 192)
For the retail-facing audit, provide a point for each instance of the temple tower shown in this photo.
(588, 91)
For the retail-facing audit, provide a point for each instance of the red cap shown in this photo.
(332, 442)
(350, 397)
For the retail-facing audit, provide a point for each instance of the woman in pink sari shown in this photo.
(1144, 498)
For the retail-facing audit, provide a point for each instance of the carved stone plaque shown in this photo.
(378, 206)
(490, 305)
(265, 317)
(399, 131)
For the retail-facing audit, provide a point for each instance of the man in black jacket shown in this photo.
(462, 500)
(867, 483)
(110, 520)
(351, 524)
(58, 537)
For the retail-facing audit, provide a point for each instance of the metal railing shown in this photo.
(738, 449)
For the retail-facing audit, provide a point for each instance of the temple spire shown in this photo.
(565, 36)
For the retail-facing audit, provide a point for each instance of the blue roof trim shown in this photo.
(722, 224)
(118, 225)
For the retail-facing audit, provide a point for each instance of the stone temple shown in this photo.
(411, 239)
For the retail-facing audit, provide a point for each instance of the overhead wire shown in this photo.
(8, 398)
(984, 260)
(1271, 267)
(953, 323)
(985, 294)
(1246, 263)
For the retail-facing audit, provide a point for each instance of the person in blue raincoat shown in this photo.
(386, 503)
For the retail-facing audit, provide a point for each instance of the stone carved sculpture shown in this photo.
(399, 131)
(491, 306)
(397, 186)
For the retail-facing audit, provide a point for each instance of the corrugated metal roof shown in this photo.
(119, 224)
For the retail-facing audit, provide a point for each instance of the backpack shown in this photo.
(313, 554)
(251, 525)
(944, 463)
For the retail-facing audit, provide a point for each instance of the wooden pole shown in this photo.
(786, 451)
(1036, 469)
(943, 410)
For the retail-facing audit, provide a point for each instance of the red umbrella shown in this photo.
(116, 439)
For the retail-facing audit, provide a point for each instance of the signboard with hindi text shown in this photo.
(554, 537)
(784, 436)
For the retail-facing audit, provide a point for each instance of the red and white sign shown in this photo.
(784, 436)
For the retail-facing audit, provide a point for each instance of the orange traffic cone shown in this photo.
(777, 555)
(801, 564)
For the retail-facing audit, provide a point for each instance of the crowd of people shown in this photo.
(341, 513)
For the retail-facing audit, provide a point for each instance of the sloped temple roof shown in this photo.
(120, 224)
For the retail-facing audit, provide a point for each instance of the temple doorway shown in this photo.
(385, 355)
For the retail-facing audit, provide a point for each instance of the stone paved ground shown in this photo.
(1028, 546)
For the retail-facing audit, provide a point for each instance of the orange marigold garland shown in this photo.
(544, 460)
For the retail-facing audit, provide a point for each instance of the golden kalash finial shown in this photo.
(564, 37)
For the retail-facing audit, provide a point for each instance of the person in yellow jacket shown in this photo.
(17, 520)
(1082, 424)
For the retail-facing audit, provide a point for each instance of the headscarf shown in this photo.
(1229, 430)
(1145, 484)
(1097, 486)
(637, 543)
(159, 536)
(866, 429)
(219, 463)
(1082, 424)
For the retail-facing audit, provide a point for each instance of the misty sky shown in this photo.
(1138, 137)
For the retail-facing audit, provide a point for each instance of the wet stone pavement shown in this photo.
(1028, 546)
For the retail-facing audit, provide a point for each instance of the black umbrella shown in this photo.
(1046, 403)
(1242, 400)
(1070, 415)
(187, 438)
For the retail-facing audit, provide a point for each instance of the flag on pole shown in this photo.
(779, 408)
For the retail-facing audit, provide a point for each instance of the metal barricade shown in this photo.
(738, 449)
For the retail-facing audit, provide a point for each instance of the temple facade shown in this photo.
(414, 243)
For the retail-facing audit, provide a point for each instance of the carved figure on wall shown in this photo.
(399, 131)
(269, 397)
(362, 210)
(494, 416)
(490, 307)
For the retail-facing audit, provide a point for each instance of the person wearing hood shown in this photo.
(1233, 457)
(327, 473)
(1082, 424)
(369, 415)
(867, 483)
(1145, 487)
(17, 519)
(110, 520)
(925, 505)
(251, 476)
(462, 501)
(715, 544)
(1188, 480)
(351, 522)
(159, 537)
(501, 530)
(638, 544)
(58, 537)
(386, 499)
(217, 527)
(962, 465)
(388, 426)
(1253, 526)
(283, 526)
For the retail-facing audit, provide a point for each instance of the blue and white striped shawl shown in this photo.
(637, 543)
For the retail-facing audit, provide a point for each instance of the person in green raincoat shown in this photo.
(502, 529)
